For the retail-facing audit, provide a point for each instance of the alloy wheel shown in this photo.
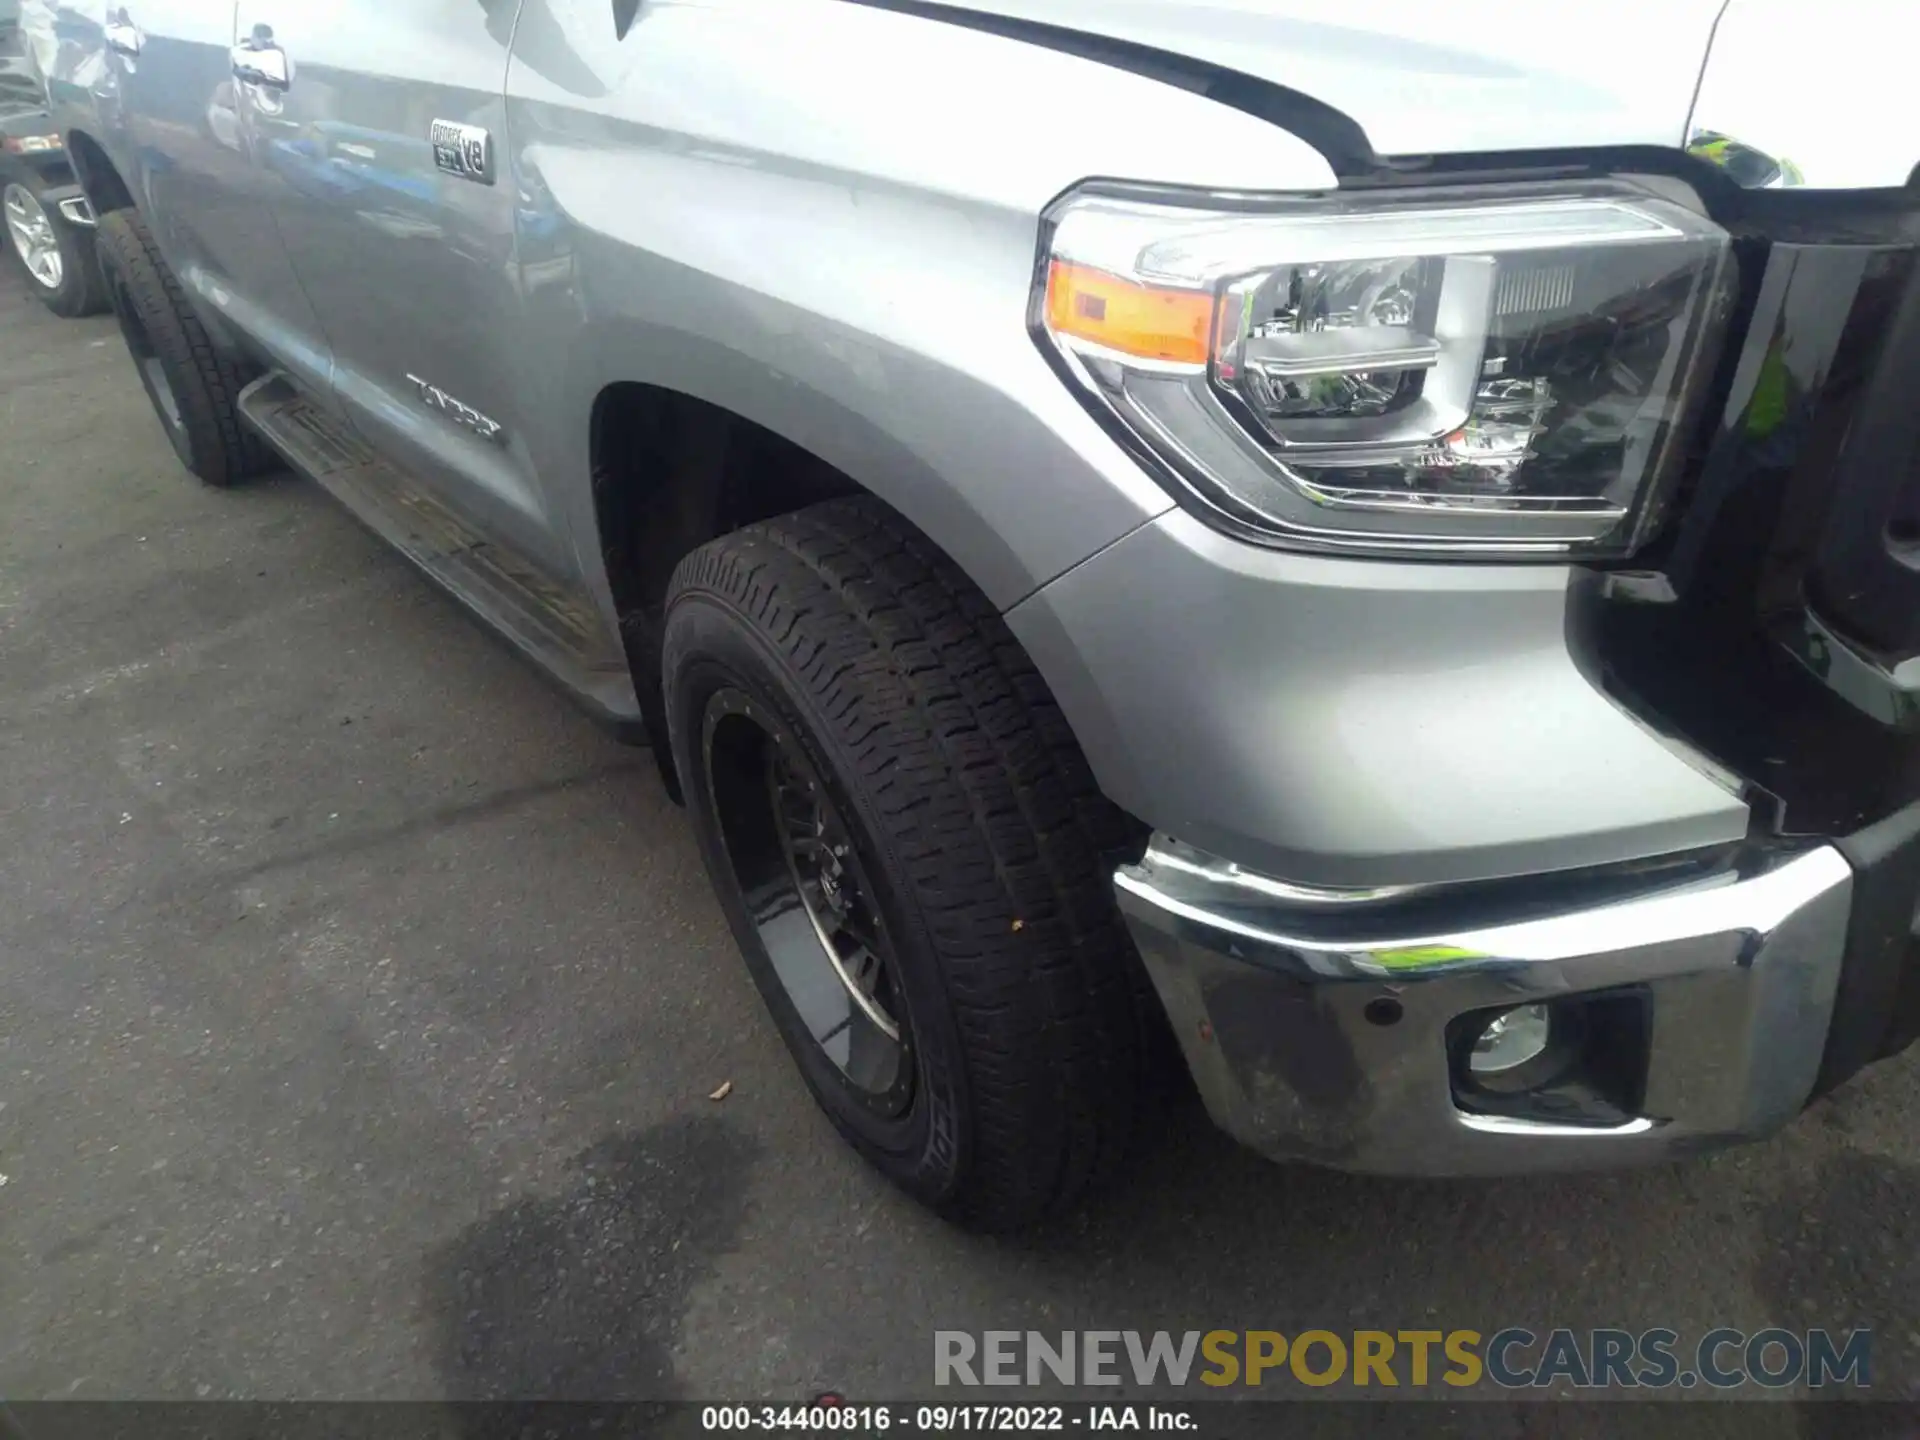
(805, 888)
(33, 235)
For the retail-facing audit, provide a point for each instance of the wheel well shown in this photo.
(671, 472)
(105, 189)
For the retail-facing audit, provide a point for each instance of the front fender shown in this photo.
(824, 217)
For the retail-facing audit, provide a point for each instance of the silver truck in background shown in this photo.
(44, 219)
(1382, 540)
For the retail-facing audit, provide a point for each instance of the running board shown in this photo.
(554, 624)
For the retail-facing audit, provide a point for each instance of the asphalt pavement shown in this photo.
(360, 1002)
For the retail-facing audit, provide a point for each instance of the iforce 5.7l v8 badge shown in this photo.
(463, 150)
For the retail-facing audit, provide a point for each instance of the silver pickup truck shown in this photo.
(44, 218)
(1379, 541)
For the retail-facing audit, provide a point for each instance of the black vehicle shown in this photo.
(44, 216)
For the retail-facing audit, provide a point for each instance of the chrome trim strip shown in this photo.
(1168, 861)
(1538, 1130)
(1723, 905)
(1890, 696)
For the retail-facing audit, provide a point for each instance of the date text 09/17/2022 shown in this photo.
(831, 1414)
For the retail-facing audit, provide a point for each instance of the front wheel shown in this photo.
(194, 388)
(58, 259)
(913, 856)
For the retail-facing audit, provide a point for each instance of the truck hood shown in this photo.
(1427, 77)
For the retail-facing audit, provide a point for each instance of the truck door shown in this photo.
(383, 128)
(194, 179)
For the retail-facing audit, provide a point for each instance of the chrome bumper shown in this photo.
(1315, 1034)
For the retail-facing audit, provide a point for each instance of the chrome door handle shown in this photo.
(258, 61)
(122, 35)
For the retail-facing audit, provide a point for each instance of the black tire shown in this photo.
(977, 825)
(194, 388)
(90, 295)
(79, 289)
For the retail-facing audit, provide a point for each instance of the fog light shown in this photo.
(1510, 1040)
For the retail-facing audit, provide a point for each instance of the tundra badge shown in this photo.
(434, 398)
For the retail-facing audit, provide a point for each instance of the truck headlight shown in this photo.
(1503, 371)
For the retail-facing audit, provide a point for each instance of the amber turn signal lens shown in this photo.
(1139, 320)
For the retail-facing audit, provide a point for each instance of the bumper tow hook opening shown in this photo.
(1384, 1010)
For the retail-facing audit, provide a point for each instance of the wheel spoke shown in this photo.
(862, 934)
(861, 965)
(793, 808)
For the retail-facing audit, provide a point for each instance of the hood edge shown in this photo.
(1336, 135)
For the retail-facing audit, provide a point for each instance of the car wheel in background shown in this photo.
(194, 388)
(914, 858)
(58, 259)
